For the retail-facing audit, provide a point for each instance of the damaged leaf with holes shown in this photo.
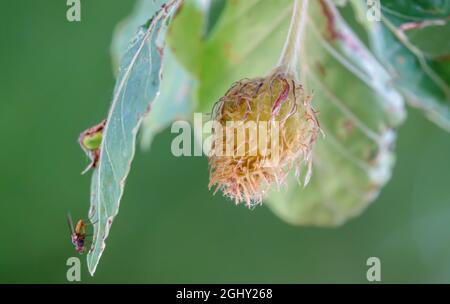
(137, 85)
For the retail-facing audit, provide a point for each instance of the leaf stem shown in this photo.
(289, 57)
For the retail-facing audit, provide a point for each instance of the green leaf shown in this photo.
(358, 108)
(185, 37)
(136, 87)
(246, 42)
(417, 9)
(358, 112)
(126, 29)
(175, 100)
(213, 14)
(411, 41)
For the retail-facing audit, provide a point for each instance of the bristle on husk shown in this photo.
(279, 103)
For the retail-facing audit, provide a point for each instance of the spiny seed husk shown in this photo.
(247, 174)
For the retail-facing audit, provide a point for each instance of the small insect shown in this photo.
(77, 234)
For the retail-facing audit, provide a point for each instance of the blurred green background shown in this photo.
(57, 80)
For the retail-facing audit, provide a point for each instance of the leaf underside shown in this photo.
(412, 41)
(358, 111)
(137, 86)
(175, 99)
(358, 108)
